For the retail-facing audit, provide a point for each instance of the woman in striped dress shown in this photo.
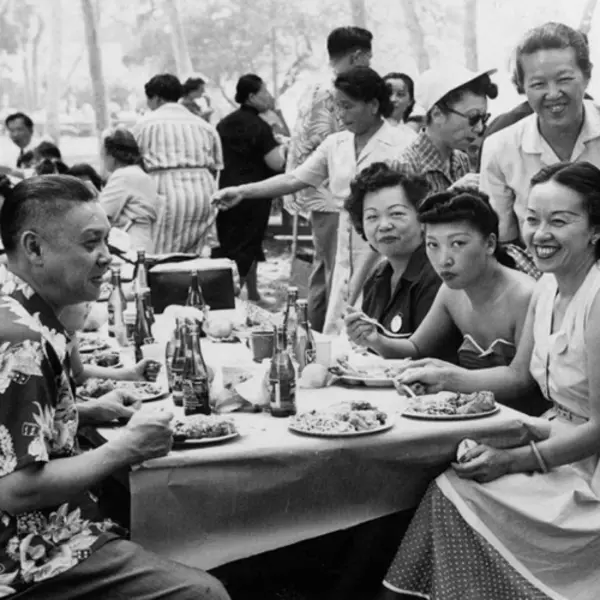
(183, 153)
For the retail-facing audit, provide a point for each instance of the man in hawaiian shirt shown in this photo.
(347, 47)
(53, 543)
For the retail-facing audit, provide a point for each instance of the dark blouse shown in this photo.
(246, 139)
(411, 300)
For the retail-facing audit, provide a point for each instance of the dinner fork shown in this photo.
(383, 330)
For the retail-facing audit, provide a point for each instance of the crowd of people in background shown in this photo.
(479, 248)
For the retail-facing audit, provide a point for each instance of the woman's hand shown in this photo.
(228, 197)
(470, 180)
(483, 463)
(359, 331)
(146, 369)
(434, 374)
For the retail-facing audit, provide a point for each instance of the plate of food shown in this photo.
(92, 343)
(348, 420)
(201, 430)
(103, 358)
(368, 370)
(147, 391)
(452, 406)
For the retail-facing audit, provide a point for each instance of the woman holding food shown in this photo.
(533, 530)
(383, 207)
(481, 295)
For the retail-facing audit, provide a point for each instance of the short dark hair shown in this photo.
(123, 147)
(410, 86)
(246, 86)
(468, 205)
(164, 86)
(580, 177)
(552, 36)
(19, 115)
(40, 201)
(51, 166)
(365, 84)
(47, 150)
(83, 171)
(480, 86)
(379, 176)
(191, 84)
(343, 40)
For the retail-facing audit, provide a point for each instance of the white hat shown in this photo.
(432, 85)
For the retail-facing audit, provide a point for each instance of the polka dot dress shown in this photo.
(442, 558)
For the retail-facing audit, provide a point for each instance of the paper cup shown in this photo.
(261, 344)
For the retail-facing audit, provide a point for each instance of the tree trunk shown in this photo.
(471, 54)
(35, 61)
(95, 62)
(416, 34)
(54, 87)
(586, 17)
(183, 62)
(359, 13)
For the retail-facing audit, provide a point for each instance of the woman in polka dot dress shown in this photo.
(524, 524)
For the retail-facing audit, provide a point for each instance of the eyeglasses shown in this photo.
(473, 118)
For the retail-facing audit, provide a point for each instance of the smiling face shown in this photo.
(555, 86)
(73, 255)
(390, 222)
(400, 98)
(454, 129)
(458, 252)
(357, 116)
(557, 229)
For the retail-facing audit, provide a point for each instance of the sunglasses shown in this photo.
(473, 118)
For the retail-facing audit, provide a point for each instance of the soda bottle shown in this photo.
(142, 333)
(195, 298)
(306, 348)
(290, 320)
(141, 275)
(178, 362)
(171, 349)
(116, 308)
(195, 381)
(282, 378)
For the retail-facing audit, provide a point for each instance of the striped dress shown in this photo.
(183, 153)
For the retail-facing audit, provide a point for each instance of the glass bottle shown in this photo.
(171, 349)
(306, 348)
(195, 381)
(282, 378)
(141, 275)
(195, 299)
(290, 319)
(178, 363)
(116, 308)
(142, 333)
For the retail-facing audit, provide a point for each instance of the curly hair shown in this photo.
(376, 177)
(468, 205)
(122, 146)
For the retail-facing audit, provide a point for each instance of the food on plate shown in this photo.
(369, 367)
(102, 358)
(357, 417)
(198, 427)
(94, 388)
(410, 389)
(452, 403)
(463, 448)
(92, 343)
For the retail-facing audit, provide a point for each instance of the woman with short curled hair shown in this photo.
(129, 198)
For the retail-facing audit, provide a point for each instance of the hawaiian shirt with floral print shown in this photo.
(38, 423)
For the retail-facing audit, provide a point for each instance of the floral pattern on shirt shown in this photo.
(38, 423)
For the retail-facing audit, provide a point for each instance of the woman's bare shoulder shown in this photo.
(520, 285)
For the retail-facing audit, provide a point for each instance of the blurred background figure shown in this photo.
(87, 173)
(403, 99)
(195, 98)
(183, 154)
(20, 130)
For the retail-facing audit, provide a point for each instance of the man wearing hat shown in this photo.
(455, 102)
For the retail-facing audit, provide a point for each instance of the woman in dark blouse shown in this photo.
(251, 154)
(383, 207)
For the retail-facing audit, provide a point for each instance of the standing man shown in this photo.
(347, 47)
(54, 543)
(184, 153)
(20, 130)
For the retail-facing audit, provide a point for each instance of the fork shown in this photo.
(383, 330)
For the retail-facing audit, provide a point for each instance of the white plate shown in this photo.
(427, 417)
(379, 382)
(142, 397)
(86, 346)
(343, 434)
(179, 445)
